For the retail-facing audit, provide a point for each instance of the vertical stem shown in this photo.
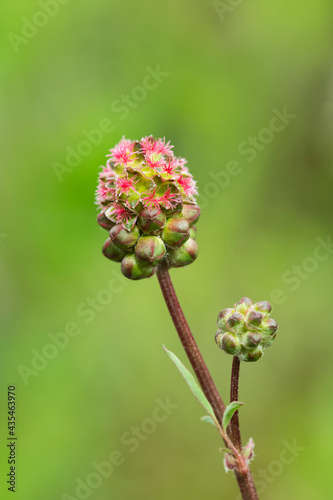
(234, 423)
(245, 481)
(247, 486)
(189, 344)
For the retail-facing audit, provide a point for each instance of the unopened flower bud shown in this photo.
(112, 252)
(248, 450)
(235, 323)
(104, 222)
(230, 343)
(262, 306)
(191, 213)
(150, 250)
(243, 305)
(184, 255)
(251, 340)
(218, 338)
(151, 220)
(252, 355)
(254, 319)
(123, 238)
(133, 269)
(269, 326)
(222, 318)
(176, 232)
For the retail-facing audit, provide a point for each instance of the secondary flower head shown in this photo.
(246, 329)
(145, 190)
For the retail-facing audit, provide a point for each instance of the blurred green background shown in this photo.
(223, 73)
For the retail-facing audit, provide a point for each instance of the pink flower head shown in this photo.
(153, 163)
(151, 200)
(103, 193)
(143, 174)
(170, 167)
(187, 184)
(169, 200)
(121, 154)
(148, 145)
(107, 173)
(151, 146)
(127, 143)
(119, 213)
(125, 185)
(164, 149)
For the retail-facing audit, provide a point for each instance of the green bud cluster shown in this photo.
(154, 238)
(246, 330)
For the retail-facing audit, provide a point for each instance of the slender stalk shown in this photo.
(234, 422)
(245, 480)
(199, 366)
(247, 486)
(246, 483)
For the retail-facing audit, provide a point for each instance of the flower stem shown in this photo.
(245, 480)
(199, 366)
(246, 483)
(234, 423)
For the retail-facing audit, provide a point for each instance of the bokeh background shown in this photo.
(223, 74)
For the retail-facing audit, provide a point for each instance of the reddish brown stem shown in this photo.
(199, 366)
(234, 422)
(245, 481)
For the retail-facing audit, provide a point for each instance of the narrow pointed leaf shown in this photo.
(229, 411)
(208, 420)
(189, 379)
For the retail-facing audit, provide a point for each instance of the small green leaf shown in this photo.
(189, 379)
(224, 450)
(229, 411)
(208, 420)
